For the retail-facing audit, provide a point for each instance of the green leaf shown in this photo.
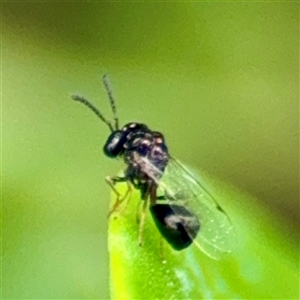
(261, 266)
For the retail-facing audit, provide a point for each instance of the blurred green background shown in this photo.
(220, 80)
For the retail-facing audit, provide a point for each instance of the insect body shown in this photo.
(181, 208)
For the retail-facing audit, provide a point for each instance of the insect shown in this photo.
(182, 209)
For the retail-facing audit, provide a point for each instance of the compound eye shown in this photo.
(114, 145)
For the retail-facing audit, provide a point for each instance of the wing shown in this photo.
(216, 235)
(180, 188)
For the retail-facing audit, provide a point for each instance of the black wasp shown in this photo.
(182, 209)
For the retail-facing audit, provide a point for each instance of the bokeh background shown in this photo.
(219, 79)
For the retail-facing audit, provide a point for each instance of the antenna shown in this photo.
(97, 111)
(93, 108)
(111, 100)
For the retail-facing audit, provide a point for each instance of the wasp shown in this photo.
(182, 208)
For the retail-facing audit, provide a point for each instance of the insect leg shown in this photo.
(111, 181)
(150, 190)
(138, 213)
(142, 222)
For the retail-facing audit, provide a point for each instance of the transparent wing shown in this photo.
(180, 187)
(216, 235)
